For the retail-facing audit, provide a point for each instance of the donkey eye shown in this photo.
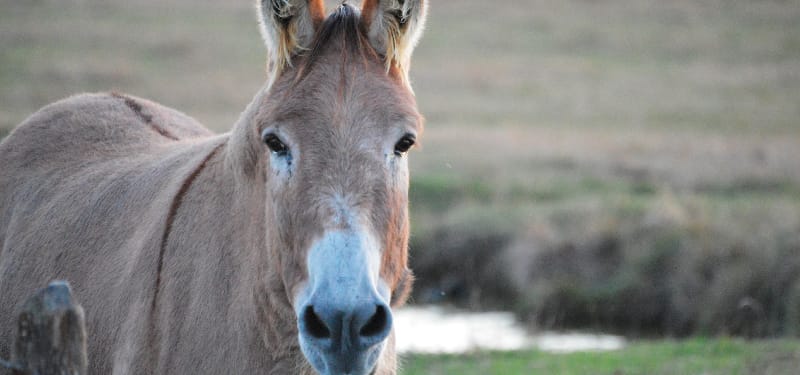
(275, 144)
(404, 144)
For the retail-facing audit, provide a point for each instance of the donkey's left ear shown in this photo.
(394, 28)
(288, 27)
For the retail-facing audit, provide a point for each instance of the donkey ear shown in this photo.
(287, 27)
(394, 27)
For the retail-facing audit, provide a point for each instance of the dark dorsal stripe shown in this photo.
(136, 107)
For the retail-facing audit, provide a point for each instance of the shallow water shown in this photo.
(434, 329)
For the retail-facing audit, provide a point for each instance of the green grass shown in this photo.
(693, 357)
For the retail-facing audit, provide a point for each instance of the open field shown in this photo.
(716, 66)
(631, 165)
(694, 357)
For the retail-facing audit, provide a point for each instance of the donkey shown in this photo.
(277, 248)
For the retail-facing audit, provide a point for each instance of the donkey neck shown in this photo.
(269, 310)
(216, 244)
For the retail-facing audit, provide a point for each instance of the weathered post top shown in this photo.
(51, 336)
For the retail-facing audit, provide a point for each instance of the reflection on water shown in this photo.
(433, 329)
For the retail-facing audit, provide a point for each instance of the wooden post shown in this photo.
(51, 336)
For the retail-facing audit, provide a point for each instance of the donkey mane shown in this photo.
(344, 31)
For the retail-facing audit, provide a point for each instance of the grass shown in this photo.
(205, 57)
(714, 66)
(618, 64)
(551, 127)
(692, 357)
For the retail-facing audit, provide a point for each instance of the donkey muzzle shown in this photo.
(343, 315)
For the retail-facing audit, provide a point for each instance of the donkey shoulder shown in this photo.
(99, 124)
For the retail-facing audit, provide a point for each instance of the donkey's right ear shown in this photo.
(287, 27)
(394, 28)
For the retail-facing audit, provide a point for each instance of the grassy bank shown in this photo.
(634, 255)
(694, 357)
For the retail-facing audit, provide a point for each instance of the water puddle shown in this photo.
(434, 329)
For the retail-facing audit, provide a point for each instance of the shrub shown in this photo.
(665, 268)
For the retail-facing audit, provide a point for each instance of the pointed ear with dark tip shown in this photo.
(288, 27)
(394, 28)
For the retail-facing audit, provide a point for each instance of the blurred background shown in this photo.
(618, 166)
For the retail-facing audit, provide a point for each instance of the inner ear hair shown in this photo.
(394, 28)
(288, 27)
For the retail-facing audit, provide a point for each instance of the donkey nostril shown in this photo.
(376, 323)
(314, 325)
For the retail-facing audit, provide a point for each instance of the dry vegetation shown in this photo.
(622, 164)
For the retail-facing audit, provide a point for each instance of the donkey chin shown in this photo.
(343, 312)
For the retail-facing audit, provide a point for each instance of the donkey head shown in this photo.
(333, 128)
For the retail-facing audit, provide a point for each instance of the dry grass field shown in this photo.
(574, 150)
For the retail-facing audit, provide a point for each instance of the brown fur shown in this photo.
(184, 247)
